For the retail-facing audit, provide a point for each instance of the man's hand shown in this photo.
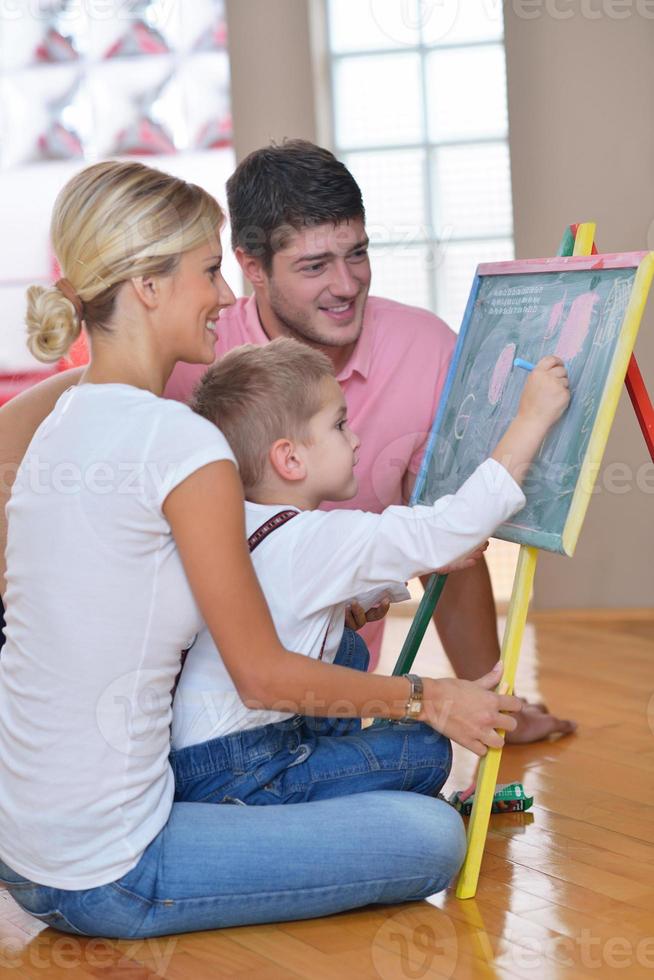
(356, 616)
(469, 712)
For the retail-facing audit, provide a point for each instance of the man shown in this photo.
(298, 232)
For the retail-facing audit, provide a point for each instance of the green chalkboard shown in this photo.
(572, 307)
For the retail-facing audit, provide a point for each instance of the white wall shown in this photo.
(27, 195)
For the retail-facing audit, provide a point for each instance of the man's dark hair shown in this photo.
(288, 187)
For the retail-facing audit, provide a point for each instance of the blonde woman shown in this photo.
(125, 533)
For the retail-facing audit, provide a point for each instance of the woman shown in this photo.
(125, 531)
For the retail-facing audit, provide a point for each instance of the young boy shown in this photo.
(284, 415)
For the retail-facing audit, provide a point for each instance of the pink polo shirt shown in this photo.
(392, 384)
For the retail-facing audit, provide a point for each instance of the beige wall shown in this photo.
(582, 148)
(272, 72)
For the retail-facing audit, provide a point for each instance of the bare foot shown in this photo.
(535, 723)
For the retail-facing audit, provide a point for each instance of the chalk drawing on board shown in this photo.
(553, 325)
(463, 418)
(574, 332)
(588, 413)
(613, 312)
(500, 374)
(570, 343)
(555, 316)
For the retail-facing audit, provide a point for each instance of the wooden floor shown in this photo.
(566, 890)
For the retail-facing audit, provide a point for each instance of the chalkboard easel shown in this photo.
(578, 240)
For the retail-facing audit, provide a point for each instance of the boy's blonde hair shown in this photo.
(112, 222)
(257, 395)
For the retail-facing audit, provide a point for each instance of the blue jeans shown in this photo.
(304, 759)
(217, 866)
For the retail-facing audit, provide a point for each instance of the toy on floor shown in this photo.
(508, 798)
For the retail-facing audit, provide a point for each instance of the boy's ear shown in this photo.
(147, 290)
(252, 267)
(286, 462)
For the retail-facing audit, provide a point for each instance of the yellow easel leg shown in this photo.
(584, 238)
(490, 764)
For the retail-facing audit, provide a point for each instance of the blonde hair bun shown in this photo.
(52, 323)
(113, 221)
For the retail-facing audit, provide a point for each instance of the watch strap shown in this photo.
(414, 702)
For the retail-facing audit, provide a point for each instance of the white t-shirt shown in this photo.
(98, 609)
(310, 569)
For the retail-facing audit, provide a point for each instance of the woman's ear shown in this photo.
(285, 460)
(147, 288)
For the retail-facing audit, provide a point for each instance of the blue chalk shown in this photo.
(525, 365)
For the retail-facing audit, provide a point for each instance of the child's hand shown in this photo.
(546, 394)
(356, 616)
(466, 562)
(545, 398)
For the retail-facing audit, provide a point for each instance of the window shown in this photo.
(420, 118)
(419, 115)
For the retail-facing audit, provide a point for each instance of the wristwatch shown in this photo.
(414, 704)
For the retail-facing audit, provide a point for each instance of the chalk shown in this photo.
(528, 366)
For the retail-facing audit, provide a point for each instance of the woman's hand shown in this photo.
(356, 616)
(469, 712)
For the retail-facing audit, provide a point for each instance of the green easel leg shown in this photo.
(417, 629)
(420, 623)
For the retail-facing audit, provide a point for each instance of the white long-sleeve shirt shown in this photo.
(312, 567)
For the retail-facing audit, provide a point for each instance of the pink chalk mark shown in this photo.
(575, 330)
(501, 372)
(555, 316)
